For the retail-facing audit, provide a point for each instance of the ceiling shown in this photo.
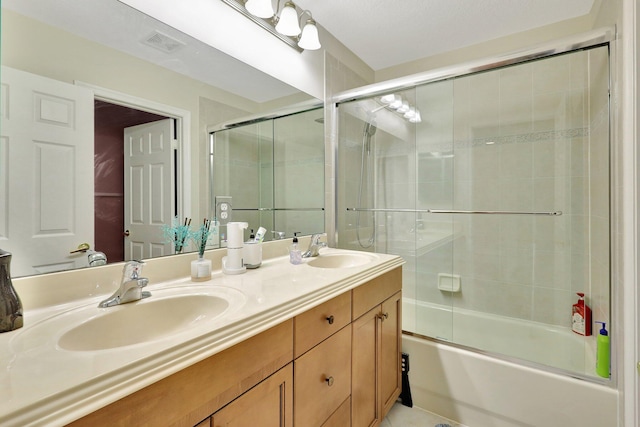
(385, 33)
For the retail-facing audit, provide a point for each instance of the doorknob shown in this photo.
(126, 233)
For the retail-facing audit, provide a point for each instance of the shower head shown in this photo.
(370, 128)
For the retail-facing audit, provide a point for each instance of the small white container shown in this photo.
(201, 270)
(252, 254)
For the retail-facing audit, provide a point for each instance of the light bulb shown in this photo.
(417, 118)
(388, 99)
(288, 22)
(403, 108)
(397, 102)
(309, 39)
(410, 114)
(259, 8)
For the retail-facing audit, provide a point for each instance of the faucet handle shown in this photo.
(132, 270)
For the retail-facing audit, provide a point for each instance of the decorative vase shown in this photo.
(201, 269)
(10, 305)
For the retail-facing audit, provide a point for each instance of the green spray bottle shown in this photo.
(602, 352)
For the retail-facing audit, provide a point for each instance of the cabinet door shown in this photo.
(365, 409)
(269, 404)
(342, 416)
(205, 423)
(390, 349)
(376, 380)
(322, 379)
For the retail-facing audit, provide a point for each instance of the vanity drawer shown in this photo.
(315, 325)
(370, 294)
(322, 379)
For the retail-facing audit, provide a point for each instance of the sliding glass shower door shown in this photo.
(496, 195)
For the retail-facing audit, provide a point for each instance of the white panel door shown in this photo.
(149, 177)
(46, 172)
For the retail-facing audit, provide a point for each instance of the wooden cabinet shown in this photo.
(269, 404)
(319, 323)
(376, 374)
(335, 365)
(390, 373)
(193, 394)
(341, 417)
(322, 346)
(322, 379)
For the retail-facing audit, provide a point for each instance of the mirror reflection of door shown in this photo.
(110, 123)
(46, 178)
(148, 181)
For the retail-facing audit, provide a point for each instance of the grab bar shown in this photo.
(454, 211)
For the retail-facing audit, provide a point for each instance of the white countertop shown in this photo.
(44, 384)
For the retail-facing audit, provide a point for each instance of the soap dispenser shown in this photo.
(602, 352)
(10, 305)
(295, 254)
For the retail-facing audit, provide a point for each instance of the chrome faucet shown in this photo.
(278, 235)
(130, 287)
(314, 246)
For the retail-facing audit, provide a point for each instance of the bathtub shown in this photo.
(479, 390)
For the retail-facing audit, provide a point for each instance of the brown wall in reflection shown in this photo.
(110, 122)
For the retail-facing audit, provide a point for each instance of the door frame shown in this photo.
(183, 133)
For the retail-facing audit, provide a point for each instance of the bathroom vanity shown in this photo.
(298, 345)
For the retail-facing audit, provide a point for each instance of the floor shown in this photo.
(402, 416)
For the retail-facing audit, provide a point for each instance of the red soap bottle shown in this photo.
(581, 317)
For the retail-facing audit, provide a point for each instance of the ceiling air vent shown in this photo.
(162, 42)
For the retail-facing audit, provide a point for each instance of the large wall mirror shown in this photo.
(274, 171)
(74, 76)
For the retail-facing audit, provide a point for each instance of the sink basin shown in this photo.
(146, 320)
(340, 260)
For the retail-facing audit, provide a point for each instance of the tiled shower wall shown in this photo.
(533, 138)
(526, 138)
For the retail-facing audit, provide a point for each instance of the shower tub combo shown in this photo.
(494, 187)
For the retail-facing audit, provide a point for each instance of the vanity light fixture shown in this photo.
(401, 106)
(285, 25)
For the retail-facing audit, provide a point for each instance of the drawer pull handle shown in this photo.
(383, 316)
(330, 319)
(329, 381)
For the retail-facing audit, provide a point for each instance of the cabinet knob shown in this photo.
(329, 381)
(383, 316)
(330, 319)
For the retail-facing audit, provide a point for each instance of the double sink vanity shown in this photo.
(282, 345)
